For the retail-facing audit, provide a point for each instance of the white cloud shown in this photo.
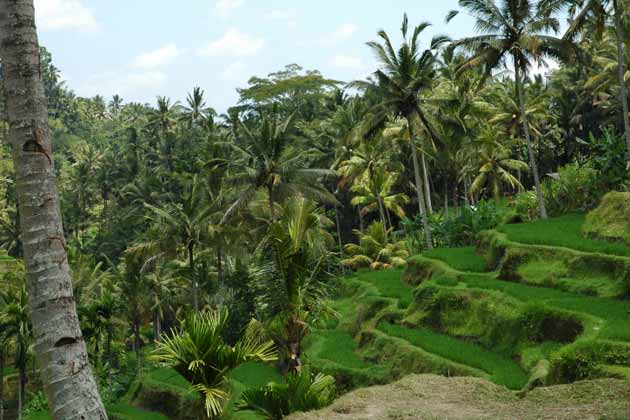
(156, 58)
(347, 62)
(342, 33)
(233, 43)
(64, 14)
(286, 15)
(225, 7)
(235, 72)
(133, 84)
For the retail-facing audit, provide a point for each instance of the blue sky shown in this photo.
(144, 48)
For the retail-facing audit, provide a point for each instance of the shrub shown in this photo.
(460, 230)
(609, 221)
(375, 250)
(577, 187)
(301, 392)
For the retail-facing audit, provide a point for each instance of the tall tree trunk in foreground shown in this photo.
(427, 184)
(530, 148)
(59, 344)
(623, 96)
(419, 189)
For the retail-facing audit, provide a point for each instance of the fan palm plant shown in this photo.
(404, 76)
(198, 352)
(375, 250)
(516, 31)
(301, 392)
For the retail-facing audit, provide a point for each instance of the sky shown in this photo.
(140, 49)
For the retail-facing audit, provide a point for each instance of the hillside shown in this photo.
(432, 397)
(533, 304)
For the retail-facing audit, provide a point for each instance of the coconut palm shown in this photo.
(404, 76)
(598, 10)
(179, 227)
(515, 31)
(196, 112)
(371, 194)
(493, 166)
(295, 256)
(199, 353)
(267, 160)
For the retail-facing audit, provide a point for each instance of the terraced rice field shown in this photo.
(534, 304)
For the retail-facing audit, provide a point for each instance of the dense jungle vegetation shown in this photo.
(326, 235)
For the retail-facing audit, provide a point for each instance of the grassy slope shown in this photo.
(462, 259)
(502, 370)
(564, 231)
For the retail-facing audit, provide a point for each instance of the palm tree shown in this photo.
(15, 322)
(49, 277)
(516, 31)
(598, 9)
(196, 112)
(178, 227)
(366, 161)
(199, 353)
(295, 253)
(404, 76)
(267, 160)
(493, 166)
(371, 194)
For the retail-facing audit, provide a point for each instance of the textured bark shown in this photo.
(58, 342)
(530, 148)
(419, 189)
(623, 96)
(427, 184)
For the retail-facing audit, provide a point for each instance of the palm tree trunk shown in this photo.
(360, 219)
(419, 190)
(136, 345)
(2, 383)
(193, 281)
(338, 223)
(272, 210)
(623, 97)
(220, 265)
(530, 148)
(157, 327)
(445, 197)
(427, 184)
(21, 385)
(389, 217)
(59, 344)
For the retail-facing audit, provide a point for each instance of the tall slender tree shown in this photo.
(404, 75)
(59, 344)
(515, 32)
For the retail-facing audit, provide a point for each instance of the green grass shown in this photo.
(389, 284)
(336, 346)
(616, 313)
(564, 231)
(116, 411)
(462, 259)
(127, 412)
(502, 370)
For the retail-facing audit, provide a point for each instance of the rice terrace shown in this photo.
(244, 210)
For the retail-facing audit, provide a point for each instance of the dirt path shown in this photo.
(437, 397)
